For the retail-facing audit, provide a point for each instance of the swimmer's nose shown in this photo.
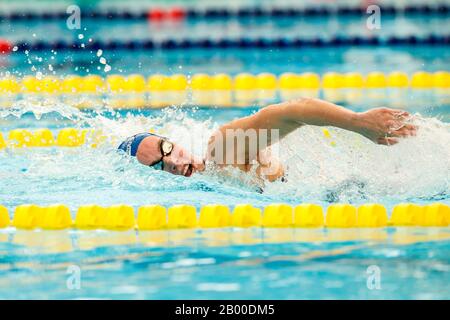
(181, 169)
(178, 167)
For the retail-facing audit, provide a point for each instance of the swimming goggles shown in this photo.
(166, 148)
(131, 145)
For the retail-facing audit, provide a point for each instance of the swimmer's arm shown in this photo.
(381, 125)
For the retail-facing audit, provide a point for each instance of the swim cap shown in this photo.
(131, 145)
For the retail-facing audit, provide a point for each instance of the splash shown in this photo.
(353, 170)
(40, 107)
(356, 170)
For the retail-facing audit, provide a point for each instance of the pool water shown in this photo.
(413, 263)
(225, 264)
(353, 170)
(362, 59)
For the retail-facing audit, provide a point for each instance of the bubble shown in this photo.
(102, 60)
(15, 48)
(107, 68)
(99, 52)
(80, 36)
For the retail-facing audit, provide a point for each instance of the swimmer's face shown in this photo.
(182, 162)
(179, 161)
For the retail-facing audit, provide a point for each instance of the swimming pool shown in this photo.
(228, 263)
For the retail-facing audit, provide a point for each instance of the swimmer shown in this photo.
(380, 125)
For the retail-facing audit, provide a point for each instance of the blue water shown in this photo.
(361, 59)
(355, 170)
(305, 27)
(354, 59)
(231, 263)
(152, 267)
(274, 264)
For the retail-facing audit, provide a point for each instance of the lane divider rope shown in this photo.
(137, 83)
(67, 137)
(156, 217)
(241, 43)
(71, 137)
(179, 13)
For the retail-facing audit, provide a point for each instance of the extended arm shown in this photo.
(381, 125)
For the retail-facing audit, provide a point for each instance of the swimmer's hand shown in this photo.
(384, 125)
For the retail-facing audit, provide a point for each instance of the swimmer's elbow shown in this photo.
(298, 107)
(286, 116)
(303, 101)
